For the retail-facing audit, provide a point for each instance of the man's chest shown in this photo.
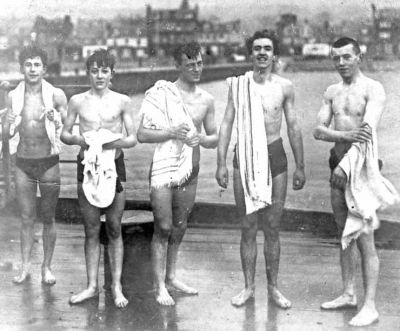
(349, 101)
(100, 110)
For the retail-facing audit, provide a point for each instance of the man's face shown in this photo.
(33, 70)
(346, 60)
(100, 77)
(191, 69)
(262, 53)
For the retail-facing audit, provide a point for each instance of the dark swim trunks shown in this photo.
(335, 159)
(192, 179)
(277, 158)
(35, 168)
(119, 168)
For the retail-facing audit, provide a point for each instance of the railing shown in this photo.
(6, 177)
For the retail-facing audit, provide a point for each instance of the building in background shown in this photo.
(387, 31)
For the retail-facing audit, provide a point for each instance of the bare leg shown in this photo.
(91, 218)
(26, 193)
(370, 267)
(348, 257)
(161, 202)
(182, 204)
(49, 186)
(248, 244)
(271, 218)
(116, 247)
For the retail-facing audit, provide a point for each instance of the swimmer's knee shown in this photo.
(249, 230)
(163, 231)
(271, 234)
(92, 231)
(27, 220)
(113, 231)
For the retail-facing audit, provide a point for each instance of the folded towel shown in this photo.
(53, 128)
(252, 145)
(367, 191)
(99, 174)
(163, 108)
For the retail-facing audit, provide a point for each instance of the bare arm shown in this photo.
(60, 103)
(375, 104)
(295, 137)
(325, 133)
(127, 117)
(225, 133)
(67, 137)
(210, 139)
(9, 117)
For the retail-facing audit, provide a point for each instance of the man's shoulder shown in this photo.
(370, 82)
(119, 96)
(79, 98)
(206, 96)
(281, 80)
(332, 89)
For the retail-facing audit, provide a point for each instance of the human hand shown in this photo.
(299, 179)
(339, 178)
(180, 132)
(11, 117)
(222, 176)
(192, 139)
(360, 134)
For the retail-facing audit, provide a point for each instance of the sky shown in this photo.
(109, 8)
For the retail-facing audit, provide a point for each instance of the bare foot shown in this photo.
(243, 297)
(163, 297)
(344, 301)
(119, 299)
(181, 287)
(23, 276)
(48, 277)
(277, 297)
(366, 316)
(86, 294)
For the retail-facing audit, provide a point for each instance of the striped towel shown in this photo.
(252, 145)
(53, 128)
(163, 108)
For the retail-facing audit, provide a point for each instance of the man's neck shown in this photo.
(261, 75)
(185, 86)
(33, 88)
(352, 79)
(99, 93)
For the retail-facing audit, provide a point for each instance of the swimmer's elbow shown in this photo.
(317, 134)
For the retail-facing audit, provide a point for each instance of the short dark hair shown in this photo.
(269, 34)
(344, 41)
(31, 51)
(102, 57)
(191, 49)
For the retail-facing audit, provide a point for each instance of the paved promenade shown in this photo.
(209, 260)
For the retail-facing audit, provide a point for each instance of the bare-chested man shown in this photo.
(276, 96)
(35, 113)
(188, 108)
(101, 108)
(354, 107)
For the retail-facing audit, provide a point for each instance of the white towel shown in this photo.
(252, 145)
(163, 108)
(367, 191)
(53, 128)
(99, 174)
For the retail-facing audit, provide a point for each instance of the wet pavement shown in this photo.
(209, 261)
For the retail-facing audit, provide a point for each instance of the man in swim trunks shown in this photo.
(101, 108)
(172, 203)
(350, 105)
(40, 108)
(263, 49)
